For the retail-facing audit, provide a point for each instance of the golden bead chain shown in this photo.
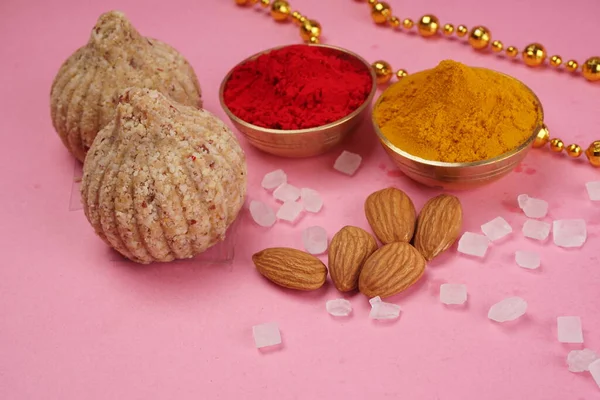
(480, 39)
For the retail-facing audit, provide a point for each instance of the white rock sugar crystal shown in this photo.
(527, 259)
(508, 309)
(347, 163)
(538, 230)
(569, 330)
(535, 208)
(595, 371)
(453, 293)
(338, 307)
(315, 239)
(473, 244)
(262, 214)
(289, 211)
(522, 199)
(311, 200)
(383, 310)
(266, 335)
(374, 300)
(274, 179)
(496, 229)
(569, 232)
(593, 189)
(286, 192)
(580, 360)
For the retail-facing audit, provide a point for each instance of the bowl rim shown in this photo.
(333, 124)
(488, 161)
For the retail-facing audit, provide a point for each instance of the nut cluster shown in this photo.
(356, 261)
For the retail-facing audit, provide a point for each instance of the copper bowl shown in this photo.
(459, 176)
(301, 142)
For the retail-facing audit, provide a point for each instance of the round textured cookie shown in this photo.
(85, 90)
(162, 181)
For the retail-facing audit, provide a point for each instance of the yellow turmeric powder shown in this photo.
(455, 113)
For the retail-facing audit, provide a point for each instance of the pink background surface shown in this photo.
(75, 324)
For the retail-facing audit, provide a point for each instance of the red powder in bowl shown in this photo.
(297, 87)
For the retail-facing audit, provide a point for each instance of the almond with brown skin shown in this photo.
(290, 268)
(438, 226)
(348, 251)
(390, 270)
(391, 214)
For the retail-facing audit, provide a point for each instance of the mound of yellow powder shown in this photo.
(455, 113)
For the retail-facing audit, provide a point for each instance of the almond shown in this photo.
(438, 226)
(290, 268)
(348, 251)
(391, 214)
(390, 270)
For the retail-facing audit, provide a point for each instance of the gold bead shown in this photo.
(383, 71)
(314, 40)
(543, 136)
(572, 66)
(265, 3)
(448, 29)
(310, 28)
(407, 23)
(280, 10)
(428, 25)
(401, 73)
(512, 51)
(241, 2)
(461, 31)
(556, 145)
(394, 22)
(574, 150)
(479, 37)
(593, 153)
(380, 12)
(497, 46)
(555, 61)
(371, 2)
(534, 55)
(298, 18)
(591, 69)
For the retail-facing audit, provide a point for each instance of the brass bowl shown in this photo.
(459, 176)
(301, 142)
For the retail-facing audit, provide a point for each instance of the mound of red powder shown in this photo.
(297, 87)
